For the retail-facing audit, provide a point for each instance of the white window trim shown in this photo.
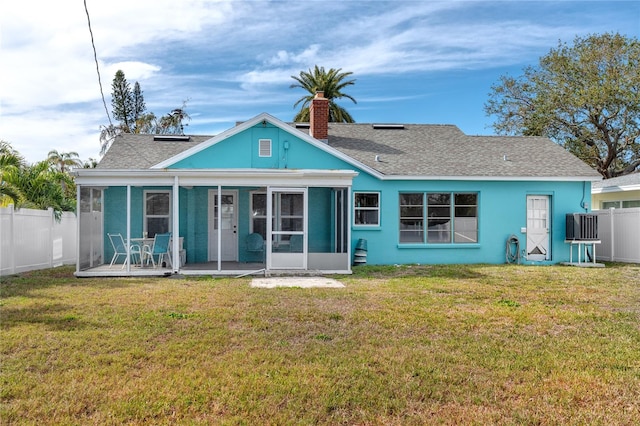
(252, 217)
(452, 217)
(264, 148)
(356, 208)
(144, 208)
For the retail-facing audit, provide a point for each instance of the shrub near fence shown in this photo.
(34, 239)
(619, 233)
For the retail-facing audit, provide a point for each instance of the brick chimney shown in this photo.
(319, 117)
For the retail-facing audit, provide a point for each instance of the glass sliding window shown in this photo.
(366, 208)
(157, 212)
(412, 218)
(610, 205)
(450, 218)
(465, 225)
(439, 218)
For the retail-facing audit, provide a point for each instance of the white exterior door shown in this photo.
(538, 227)
(224, 223)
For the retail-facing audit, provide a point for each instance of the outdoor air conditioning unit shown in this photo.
(582, 226)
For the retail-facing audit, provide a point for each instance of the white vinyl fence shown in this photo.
(34, 239)
(619, 231)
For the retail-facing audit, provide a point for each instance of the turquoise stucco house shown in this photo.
(314, 192)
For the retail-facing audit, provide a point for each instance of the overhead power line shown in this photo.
(95, 56)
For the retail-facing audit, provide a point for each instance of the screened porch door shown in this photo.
(287, 231)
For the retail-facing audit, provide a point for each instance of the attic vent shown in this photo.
(302, 125)
(170, 138)
(264, 147)
(388, 126)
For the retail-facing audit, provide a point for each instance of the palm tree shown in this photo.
(172, 123)
(61, 161)
(40, 188)
(10, 164)
(332, 83)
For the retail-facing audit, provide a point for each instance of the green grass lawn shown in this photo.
(398, 345)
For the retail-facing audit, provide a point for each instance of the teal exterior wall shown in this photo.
(501, 205)
(240, 151)
(502, 212)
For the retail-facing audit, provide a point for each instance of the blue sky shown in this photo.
(413, 61)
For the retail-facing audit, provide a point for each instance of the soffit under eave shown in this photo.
(290, 178)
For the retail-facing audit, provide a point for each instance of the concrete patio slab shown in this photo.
(302, 282)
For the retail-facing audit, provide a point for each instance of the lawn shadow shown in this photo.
(401, 271)
(56, 317)
(24, 284)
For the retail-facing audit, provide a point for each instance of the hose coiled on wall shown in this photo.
(513, 249)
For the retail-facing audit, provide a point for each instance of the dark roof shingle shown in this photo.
(412, 150)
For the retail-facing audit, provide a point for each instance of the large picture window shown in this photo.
(366, 208)
(438, 217)
(157, 208)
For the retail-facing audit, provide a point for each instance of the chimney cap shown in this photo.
(319, 94)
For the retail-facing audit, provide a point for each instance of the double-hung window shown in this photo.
(157, 209)
(259, 213)
(438, 217)
(366, 208)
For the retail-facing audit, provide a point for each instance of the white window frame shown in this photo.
(252, 217)
(357, 208)
(265, 148)
(619, 204)
(452, 218)
(144, 207)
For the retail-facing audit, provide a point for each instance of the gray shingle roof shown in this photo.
(135, 151)
(415, 150)
(630, 179)
(443, 150)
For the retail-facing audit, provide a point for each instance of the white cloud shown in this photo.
(133, 70)
(232, 58)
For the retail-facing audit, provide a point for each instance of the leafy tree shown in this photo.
(128, 107)
(585, 97)
(138, 104)
(122, 102)
(91, 163)
(331, 82)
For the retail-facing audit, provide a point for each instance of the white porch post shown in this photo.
(219, 230)
(349, 200)
(175, 249)
(128, 260)
(267, 257)
(78, 214)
